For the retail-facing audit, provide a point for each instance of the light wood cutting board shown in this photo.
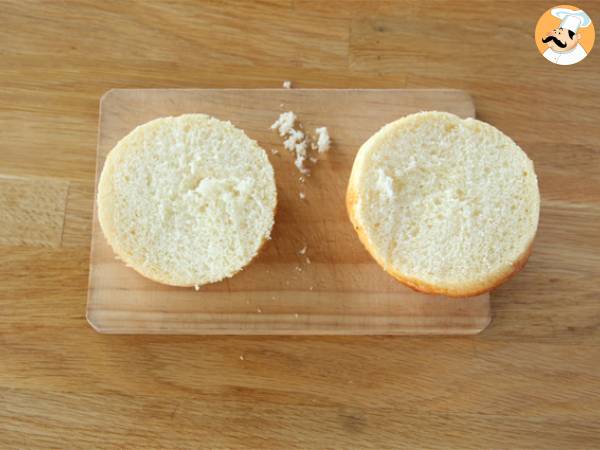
(342, 290)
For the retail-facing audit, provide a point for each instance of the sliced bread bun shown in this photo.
(445, 205)
(187, 200)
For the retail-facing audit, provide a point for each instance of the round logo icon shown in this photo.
(565, 35)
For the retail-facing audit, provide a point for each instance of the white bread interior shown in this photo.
(445, 205)
(187, 200)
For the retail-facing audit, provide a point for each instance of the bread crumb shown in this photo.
(307, 260)
(324, 141)
(274, 151)
(258, 310)
(296, 315)
(301, 179)
(284, 123)
(242, 357)
(299, 162)
(299, 269)
(311, 288)
(302, 195)
(313, 160)
(300, 146)
(302, 251)
(196, 287)
(287, 84)
(294, 141)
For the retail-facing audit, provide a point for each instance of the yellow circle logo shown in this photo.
(565, 35)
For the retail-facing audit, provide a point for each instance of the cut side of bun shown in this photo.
(445, 205)
(187, 200)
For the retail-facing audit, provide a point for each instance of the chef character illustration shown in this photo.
(563, 42)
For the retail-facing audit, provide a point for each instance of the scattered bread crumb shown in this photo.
(301, 179)
(302, 195)
(196, 287)
(300, 146)
(299, 162)
(302, 251)
(299, 269)
(311, 288)
(296, 315)
(297, 141)
(258, 310)
(274, 151)
(295, 138)
(284, 123)
(287, 84)
(242, 357)
(324, 141)
(307, 260)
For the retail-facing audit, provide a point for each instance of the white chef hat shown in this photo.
(571, 20)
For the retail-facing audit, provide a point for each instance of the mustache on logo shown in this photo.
(556, 41)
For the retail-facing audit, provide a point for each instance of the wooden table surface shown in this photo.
(531, 380)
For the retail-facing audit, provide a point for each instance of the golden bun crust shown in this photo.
(465, 289)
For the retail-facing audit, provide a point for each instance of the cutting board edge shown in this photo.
(99, 327)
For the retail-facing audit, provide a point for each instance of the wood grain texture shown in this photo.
(32, 211)
(341, 290)
(530, 380)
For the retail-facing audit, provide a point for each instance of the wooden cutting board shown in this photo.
(342, 290)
